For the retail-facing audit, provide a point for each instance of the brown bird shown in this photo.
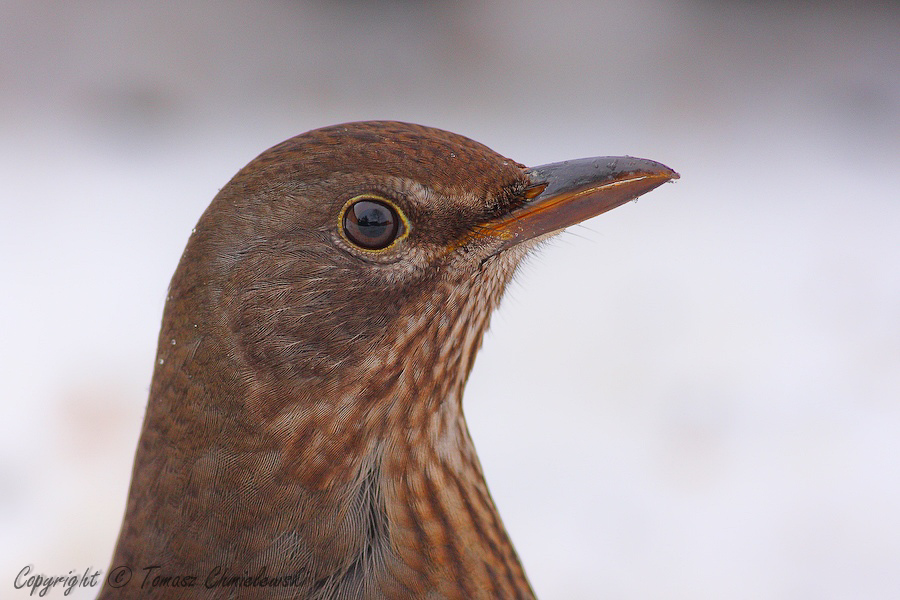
(304, 436)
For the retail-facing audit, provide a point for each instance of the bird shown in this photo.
(304, 435)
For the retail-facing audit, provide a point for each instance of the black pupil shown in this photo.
(372, 225)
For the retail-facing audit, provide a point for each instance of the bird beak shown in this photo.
(565, 193)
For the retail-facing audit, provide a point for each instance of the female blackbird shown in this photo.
(304, 436)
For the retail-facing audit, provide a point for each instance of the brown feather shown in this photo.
(305, 413)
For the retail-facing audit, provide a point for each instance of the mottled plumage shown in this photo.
(305, 414)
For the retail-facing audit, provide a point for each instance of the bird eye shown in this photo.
(372, 223)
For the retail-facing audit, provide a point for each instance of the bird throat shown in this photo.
(363, 486)
(400, 452)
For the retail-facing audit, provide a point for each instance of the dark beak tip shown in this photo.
(671, 173)
(593, 171)
(650, 168)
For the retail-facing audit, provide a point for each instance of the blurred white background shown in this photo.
(695, 396)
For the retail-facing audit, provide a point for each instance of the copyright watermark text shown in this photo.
(40, 584)
(155, 577)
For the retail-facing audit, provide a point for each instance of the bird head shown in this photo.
(305, 409)
(364, 250)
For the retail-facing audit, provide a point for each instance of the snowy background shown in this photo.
(694, 396)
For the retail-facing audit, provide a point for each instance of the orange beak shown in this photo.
(565, 193)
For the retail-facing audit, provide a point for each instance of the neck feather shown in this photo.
(373, 492)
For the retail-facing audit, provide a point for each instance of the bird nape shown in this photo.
(304, 435)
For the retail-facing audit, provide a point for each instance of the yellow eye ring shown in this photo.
(372, 223)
